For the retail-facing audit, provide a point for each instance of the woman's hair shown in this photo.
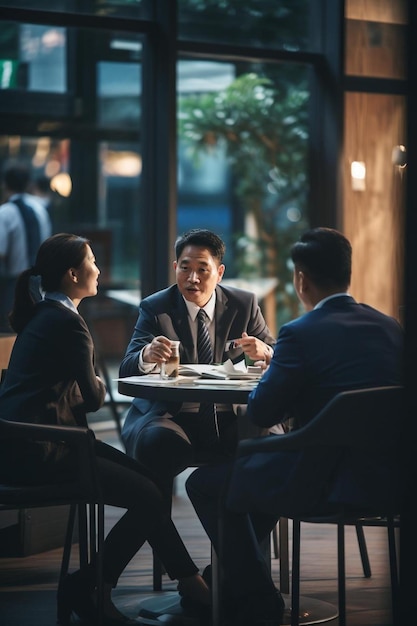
(55, 256)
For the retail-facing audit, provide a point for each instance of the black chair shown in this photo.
(118, 404)
(351, 421)
(105, 310)
(82, 494)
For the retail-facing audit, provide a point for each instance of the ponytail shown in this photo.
(25, 299)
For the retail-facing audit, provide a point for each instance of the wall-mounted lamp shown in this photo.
(399, 156)
(358, 175)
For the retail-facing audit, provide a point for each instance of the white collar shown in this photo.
(334, 295)
(62, 298)
(193, 309)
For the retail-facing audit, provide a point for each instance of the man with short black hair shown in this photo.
(169, 437)
(337, 345)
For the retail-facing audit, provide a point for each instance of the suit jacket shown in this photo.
(51, 377)
(165, 313)
(342, 345)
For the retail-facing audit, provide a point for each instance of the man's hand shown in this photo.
(254, 348)
(158, 351)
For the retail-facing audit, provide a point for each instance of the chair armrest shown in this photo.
(295, 440)
(82, 439)
(356, 418)
(43, 432)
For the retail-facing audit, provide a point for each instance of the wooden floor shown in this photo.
(27, 584)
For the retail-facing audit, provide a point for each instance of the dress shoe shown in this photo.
(195, 588)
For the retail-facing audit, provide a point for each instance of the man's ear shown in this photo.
(302, 281)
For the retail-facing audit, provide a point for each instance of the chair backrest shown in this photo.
(358, 418)
(84, 484)
(347, 455)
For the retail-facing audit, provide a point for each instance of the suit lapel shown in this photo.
(224, 319)
(182, 328)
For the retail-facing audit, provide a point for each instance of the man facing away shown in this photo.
(337, 345)
(24, 225)
(169, 437)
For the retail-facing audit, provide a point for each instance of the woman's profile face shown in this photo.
(87, 275)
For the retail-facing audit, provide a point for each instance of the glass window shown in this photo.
(120, 8)
(120, 166)
(118, 92)
(261, 23)
(242, 163)
(49, 163)
(114, 225)
(90, 160)
(33, 57)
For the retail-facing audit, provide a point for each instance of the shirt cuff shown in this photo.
(269, 350)
(145, 368)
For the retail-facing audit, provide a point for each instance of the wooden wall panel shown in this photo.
(371, 47)
(6, 346)
(373, 218)
(389, 11)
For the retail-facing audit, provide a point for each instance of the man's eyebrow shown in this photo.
(186, 260)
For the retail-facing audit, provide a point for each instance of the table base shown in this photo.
(165, 610)
(312, 611)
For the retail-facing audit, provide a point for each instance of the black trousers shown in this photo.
(238, 538)
(167, 446)
(125, 484)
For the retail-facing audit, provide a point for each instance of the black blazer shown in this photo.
(342, 345)
(165, 313)
(51, 377)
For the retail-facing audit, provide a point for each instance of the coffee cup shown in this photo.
(170, 368)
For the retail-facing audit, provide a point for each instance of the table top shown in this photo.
(151, 386)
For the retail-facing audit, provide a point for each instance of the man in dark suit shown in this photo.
(167, 438)
(337, 345)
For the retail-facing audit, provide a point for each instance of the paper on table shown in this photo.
(201, 370)
(238, 370)
(227, 370)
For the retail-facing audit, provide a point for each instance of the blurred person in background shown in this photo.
(24, 225)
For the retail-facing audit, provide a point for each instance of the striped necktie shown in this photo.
(207, 410)
(204, 349)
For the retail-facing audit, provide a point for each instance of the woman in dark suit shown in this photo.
(51, 379)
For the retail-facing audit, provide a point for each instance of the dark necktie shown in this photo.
(204, 349)
(207, 411)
